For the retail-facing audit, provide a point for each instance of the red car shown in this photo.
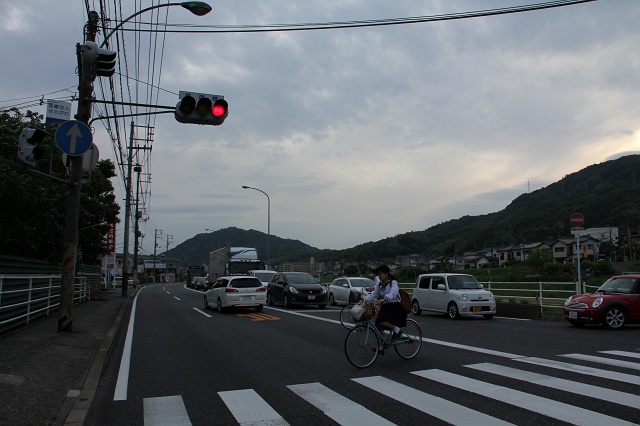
(614, 304)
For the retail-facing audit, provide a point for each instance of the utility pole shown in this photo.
(85, 88)
(155, 247)
(166, 263)
(136, 229)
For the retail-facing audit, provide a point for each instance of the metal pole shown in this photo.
(127, 213)
(268, 221)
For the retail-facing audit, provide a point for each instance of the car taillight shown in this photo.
(261, 289)
(230, 290)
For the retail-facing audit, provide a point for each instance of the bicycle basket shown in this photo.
(361, 311)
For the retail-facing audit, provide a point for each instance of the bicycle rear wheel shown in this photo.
(346, 319)
(361, 346)
(409, 345)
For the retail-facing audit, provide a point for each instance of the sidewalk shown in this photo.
(49, 378)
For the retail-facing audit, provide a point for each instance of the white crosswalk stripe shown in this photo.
(581, 369)
(165, 411)
(337, 407)
(250, 409)
(535, 403)
(556, 383)
(432, 405)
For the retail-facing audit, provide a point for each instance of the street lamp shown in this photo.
(268, 220)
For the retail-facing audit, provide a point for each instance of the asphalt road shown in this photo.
(191, 366)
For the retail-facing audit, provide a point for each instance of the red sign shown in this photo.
(111, 239)
(576, 220)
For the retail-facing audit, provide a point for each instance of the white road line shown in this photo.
(602, 360)
(555, 383)
(580, 369)
(176, 298)
(434, 406)
(249, 409)
(165, 411)
(342, 410)
(535, 403)
(202, 312)
(122, 384)
(622, 353)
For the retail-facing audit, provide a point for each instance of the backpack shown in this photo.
(406, 300)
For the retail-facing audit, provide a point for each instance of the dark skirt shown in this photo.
(393, 313)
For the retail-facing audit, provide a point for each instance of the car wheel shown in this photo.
(258, 308)
(452, 311)
(269, 299)
(206, 304)
(614, 318)
(219, 305)
(322, 306)
(415, 308)
(487, 316)
(332, 300)
(285, 301)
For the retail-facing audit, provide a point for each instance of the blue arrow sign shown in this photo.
(74, 137)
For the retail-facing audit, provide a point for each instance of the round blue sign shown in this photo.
(74, 137)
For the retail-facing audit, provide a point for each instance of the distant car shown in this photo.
(296, 288)
(235, 291)
(348, 290)
(200, 283)
(117, 282)
(453, 295)
(264, 275)
(614, 304)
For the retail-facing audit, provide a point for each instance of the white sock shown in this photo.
(396, 330)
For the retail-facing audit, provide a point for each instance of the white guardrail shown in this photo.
(26, 297)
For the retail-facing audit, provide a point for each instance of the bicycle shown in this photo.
(365, 341)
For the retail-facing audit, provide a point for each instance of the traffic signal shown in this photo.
(97, 61)
(28, 150)
(201, 108)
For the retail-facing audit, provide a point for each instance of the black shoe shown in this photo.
(397, 336)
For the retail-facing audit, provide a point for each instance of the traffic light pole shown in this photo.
(65, 314)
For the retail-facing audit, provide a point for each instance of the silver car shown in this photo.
(452, 294)
(235, 291)
(348, 290)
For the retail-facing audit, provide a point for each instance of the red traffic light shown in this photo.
(219, 109)
(201, 108)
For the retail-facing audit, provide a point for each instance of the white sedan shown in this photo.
(235, 291)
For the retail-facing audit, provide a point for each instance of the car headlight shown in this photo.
(491, 296)
(463, 297)
(324, 290)
(597, 302)
(293, 290)
(568, 300)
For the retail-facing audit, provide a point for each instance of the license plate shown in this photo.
(312, 297)
(573, 314)
(476, 309)
(246, 297)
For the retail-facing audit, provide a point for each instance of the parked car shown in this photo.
(349, 290)
(263, 275)
(235, 291)
(117, 282)
(200, 283)
(296, 288)
(452, 294)
(614, 304)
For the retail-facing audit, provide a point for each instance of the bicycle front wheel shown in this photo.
(409, 345)
(346, 319)
(361, 346)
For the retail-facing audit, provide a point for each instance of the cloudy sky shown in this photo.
(356, 134)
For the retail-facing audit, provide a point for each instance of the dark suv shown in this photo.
(296, 288)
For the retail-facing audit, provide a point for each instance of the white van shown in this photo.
(264, 275)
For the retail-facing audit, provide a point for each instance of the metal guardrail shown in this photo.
(26, 297)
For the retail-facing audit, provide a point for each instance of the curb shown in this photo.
(80, 409)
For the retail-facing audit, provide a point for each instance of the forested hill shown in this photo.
(607, 194)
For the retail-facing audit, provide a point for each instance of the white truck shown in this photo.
(233, 261)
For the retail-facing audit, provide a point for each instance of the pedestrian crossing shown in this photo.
(249, 408)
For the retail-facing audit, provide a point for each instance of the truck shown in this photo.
(194, 271)
(233, 261)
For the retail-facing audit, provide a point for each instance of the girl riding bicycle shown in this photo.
(386, 300)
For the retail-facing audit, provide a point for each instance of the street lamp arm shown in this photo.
(198, 8)
(268, 219)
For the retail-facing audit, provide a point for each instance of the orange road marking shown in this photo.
(259, 317)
